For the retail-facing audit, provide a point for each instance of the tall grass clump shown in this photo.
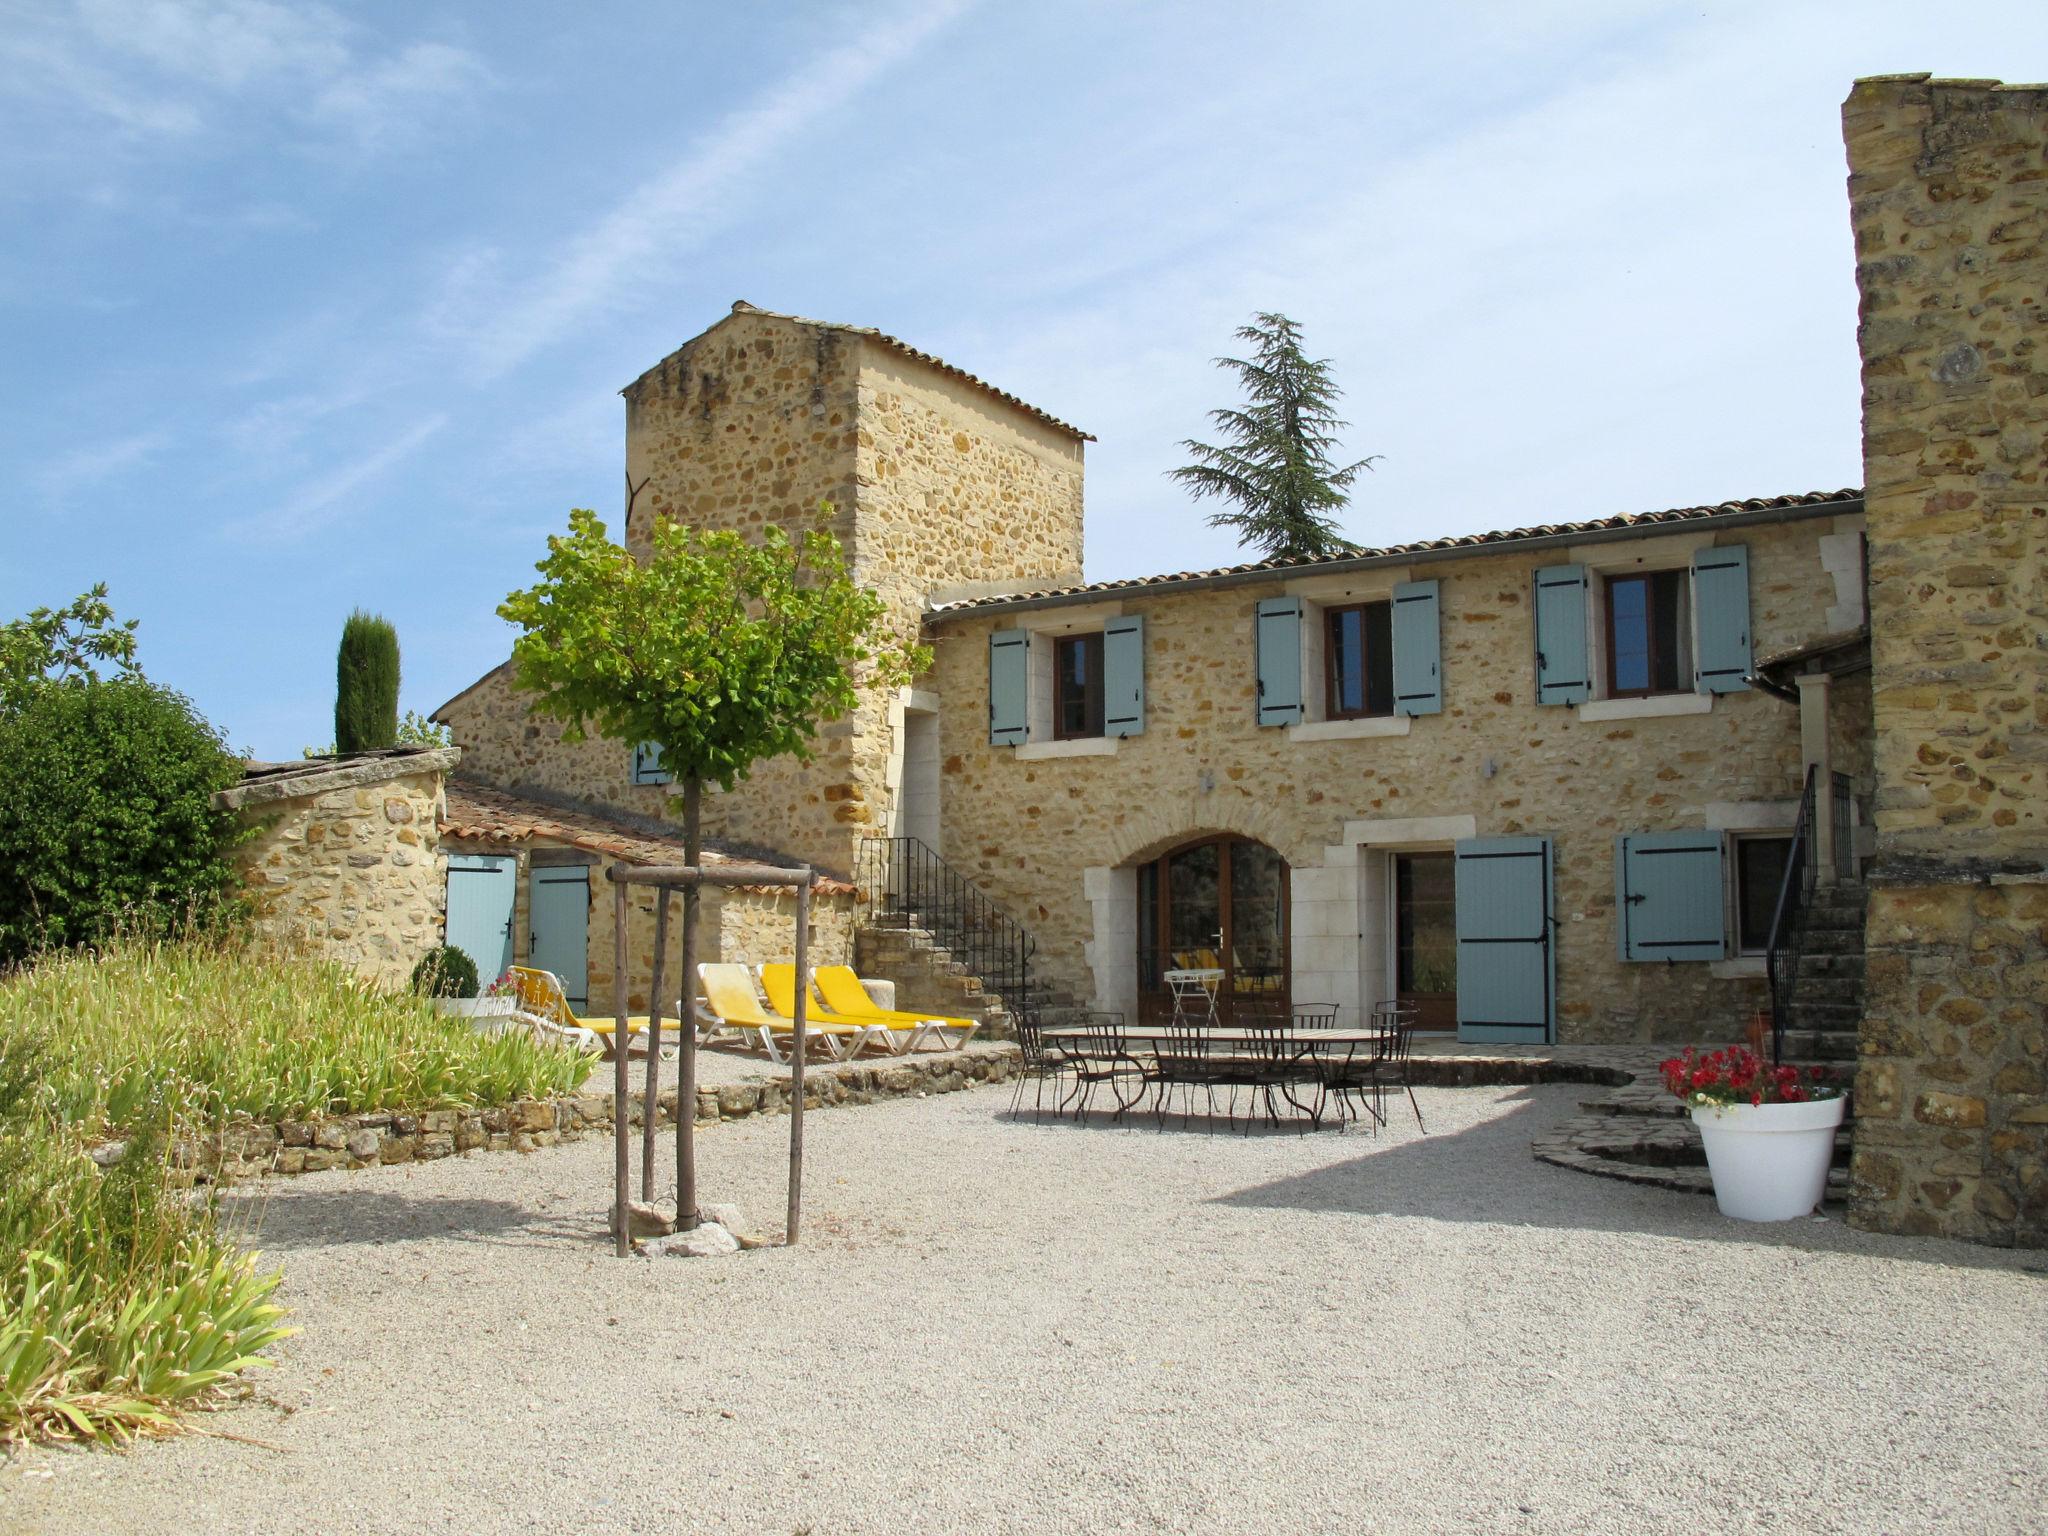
(121, 1299)
(214, 1030)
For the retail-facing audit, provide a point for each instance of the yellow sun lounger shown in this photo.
(842, 991)
(779, 982)
(729, 1005)
(540, 995)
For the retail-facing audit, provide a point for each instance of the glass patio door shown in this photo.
(1219, 904)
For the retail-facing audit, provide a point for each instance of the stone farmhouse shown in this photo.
(1540, 782)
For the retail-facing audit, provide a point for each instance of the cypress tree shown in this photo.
(366, 685)
(1275, 461)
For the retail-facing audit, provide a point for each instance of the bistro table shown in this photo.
(1306, 1044)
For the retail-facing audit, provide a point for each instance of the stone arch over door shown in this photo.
(1147, 833)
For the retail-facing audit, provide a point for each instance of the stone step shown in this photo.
(1827, 988)
(1832, 941)
(1820, 1045)
(1812, 964)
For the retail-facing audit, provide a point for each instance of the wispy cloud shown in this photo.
(85, 468)
(381, 103)
(319, 503)
(157, 70)
(651, 226)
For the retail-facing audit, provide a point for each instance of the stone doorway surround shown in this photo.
(1336, 893)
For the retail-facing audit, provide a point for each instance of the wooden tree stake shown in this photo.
(622, 1146)
(796, 1071)
(651, 1094)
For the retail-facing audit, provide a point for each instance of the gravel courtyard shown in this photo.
(1000, 1326)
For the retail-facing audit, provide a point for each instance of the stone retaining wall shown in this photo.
(373, 1140)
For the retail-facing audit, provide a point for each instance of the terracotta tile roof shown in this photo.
(478, 813)
(905, 349)
(1643, 521)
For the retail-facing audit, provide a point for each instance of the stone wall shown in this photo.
(1948, 192)
(1049, 836)
(935, 483)
(347, 862)
(263, 1150)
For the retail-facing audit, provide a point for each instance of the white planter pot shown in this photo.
(1769, 1161)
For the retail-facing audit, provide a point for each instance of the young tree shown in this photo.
(718, 650)
(1274, 462)
(366, 685)
(62, 645)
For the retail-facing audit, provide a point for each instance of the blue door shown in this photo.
(559, 898)
(481, 888)
(1506, 969)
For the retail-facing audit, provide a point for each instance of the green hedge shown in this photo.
(106, 816)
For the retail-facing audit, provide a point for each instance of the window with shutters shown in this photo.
(1077, 687)
(1647, 635)
(1358, 660)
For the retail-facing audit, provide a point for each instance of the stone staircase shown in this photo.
(1825, 1011)
(892, 947)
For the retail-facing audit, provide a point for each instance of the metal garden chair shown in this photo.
(1100, 1057)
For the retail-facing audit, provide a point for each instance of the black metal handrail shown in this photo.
(903, 878)
(1781, 956)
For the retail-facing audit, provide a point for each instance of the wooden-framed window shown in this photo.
(1358, 661)
(1759, 877)
(1076, 687)
(1645, 630)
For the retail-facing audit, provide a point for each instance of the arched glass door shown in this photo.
(1216, 904)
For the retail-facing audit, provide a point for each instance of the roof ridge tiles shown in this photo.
(1848, 496)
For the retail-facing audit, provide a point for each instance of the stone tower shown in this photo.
(939, 485)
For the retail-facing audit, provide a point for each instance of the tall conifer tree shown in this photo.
(366, 685)
(1274, 464)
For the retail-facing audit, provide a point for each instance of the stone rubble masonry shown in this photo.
(253, 1150)
(1948, 191)
(347, 860)
(936, 485)
(1028, 831)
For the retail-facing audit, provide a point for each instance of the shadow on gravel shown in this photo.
(333, 1218)
(1486, 1174)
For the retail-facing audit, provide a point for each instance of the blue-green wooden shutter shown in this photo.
(1506, 969)
(1668, 902)
(1562, 666)
(1123, 677)
(1418, 650)
(558, 904)
(481, 890)
(1720, 600)
(647, 767)
(1279, 646)
(1009, 687)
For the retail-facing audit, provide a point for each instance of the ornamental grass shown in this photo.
(211, 1031)
(123, 1299)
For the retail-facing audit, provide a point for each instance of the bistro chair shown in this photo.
(1267, 1058)
(1180, 1059)
(1396, 1023)
(1040, 1063)
(1098, 1056)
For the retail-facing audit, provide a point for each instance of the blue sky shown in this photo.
(305, 308)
